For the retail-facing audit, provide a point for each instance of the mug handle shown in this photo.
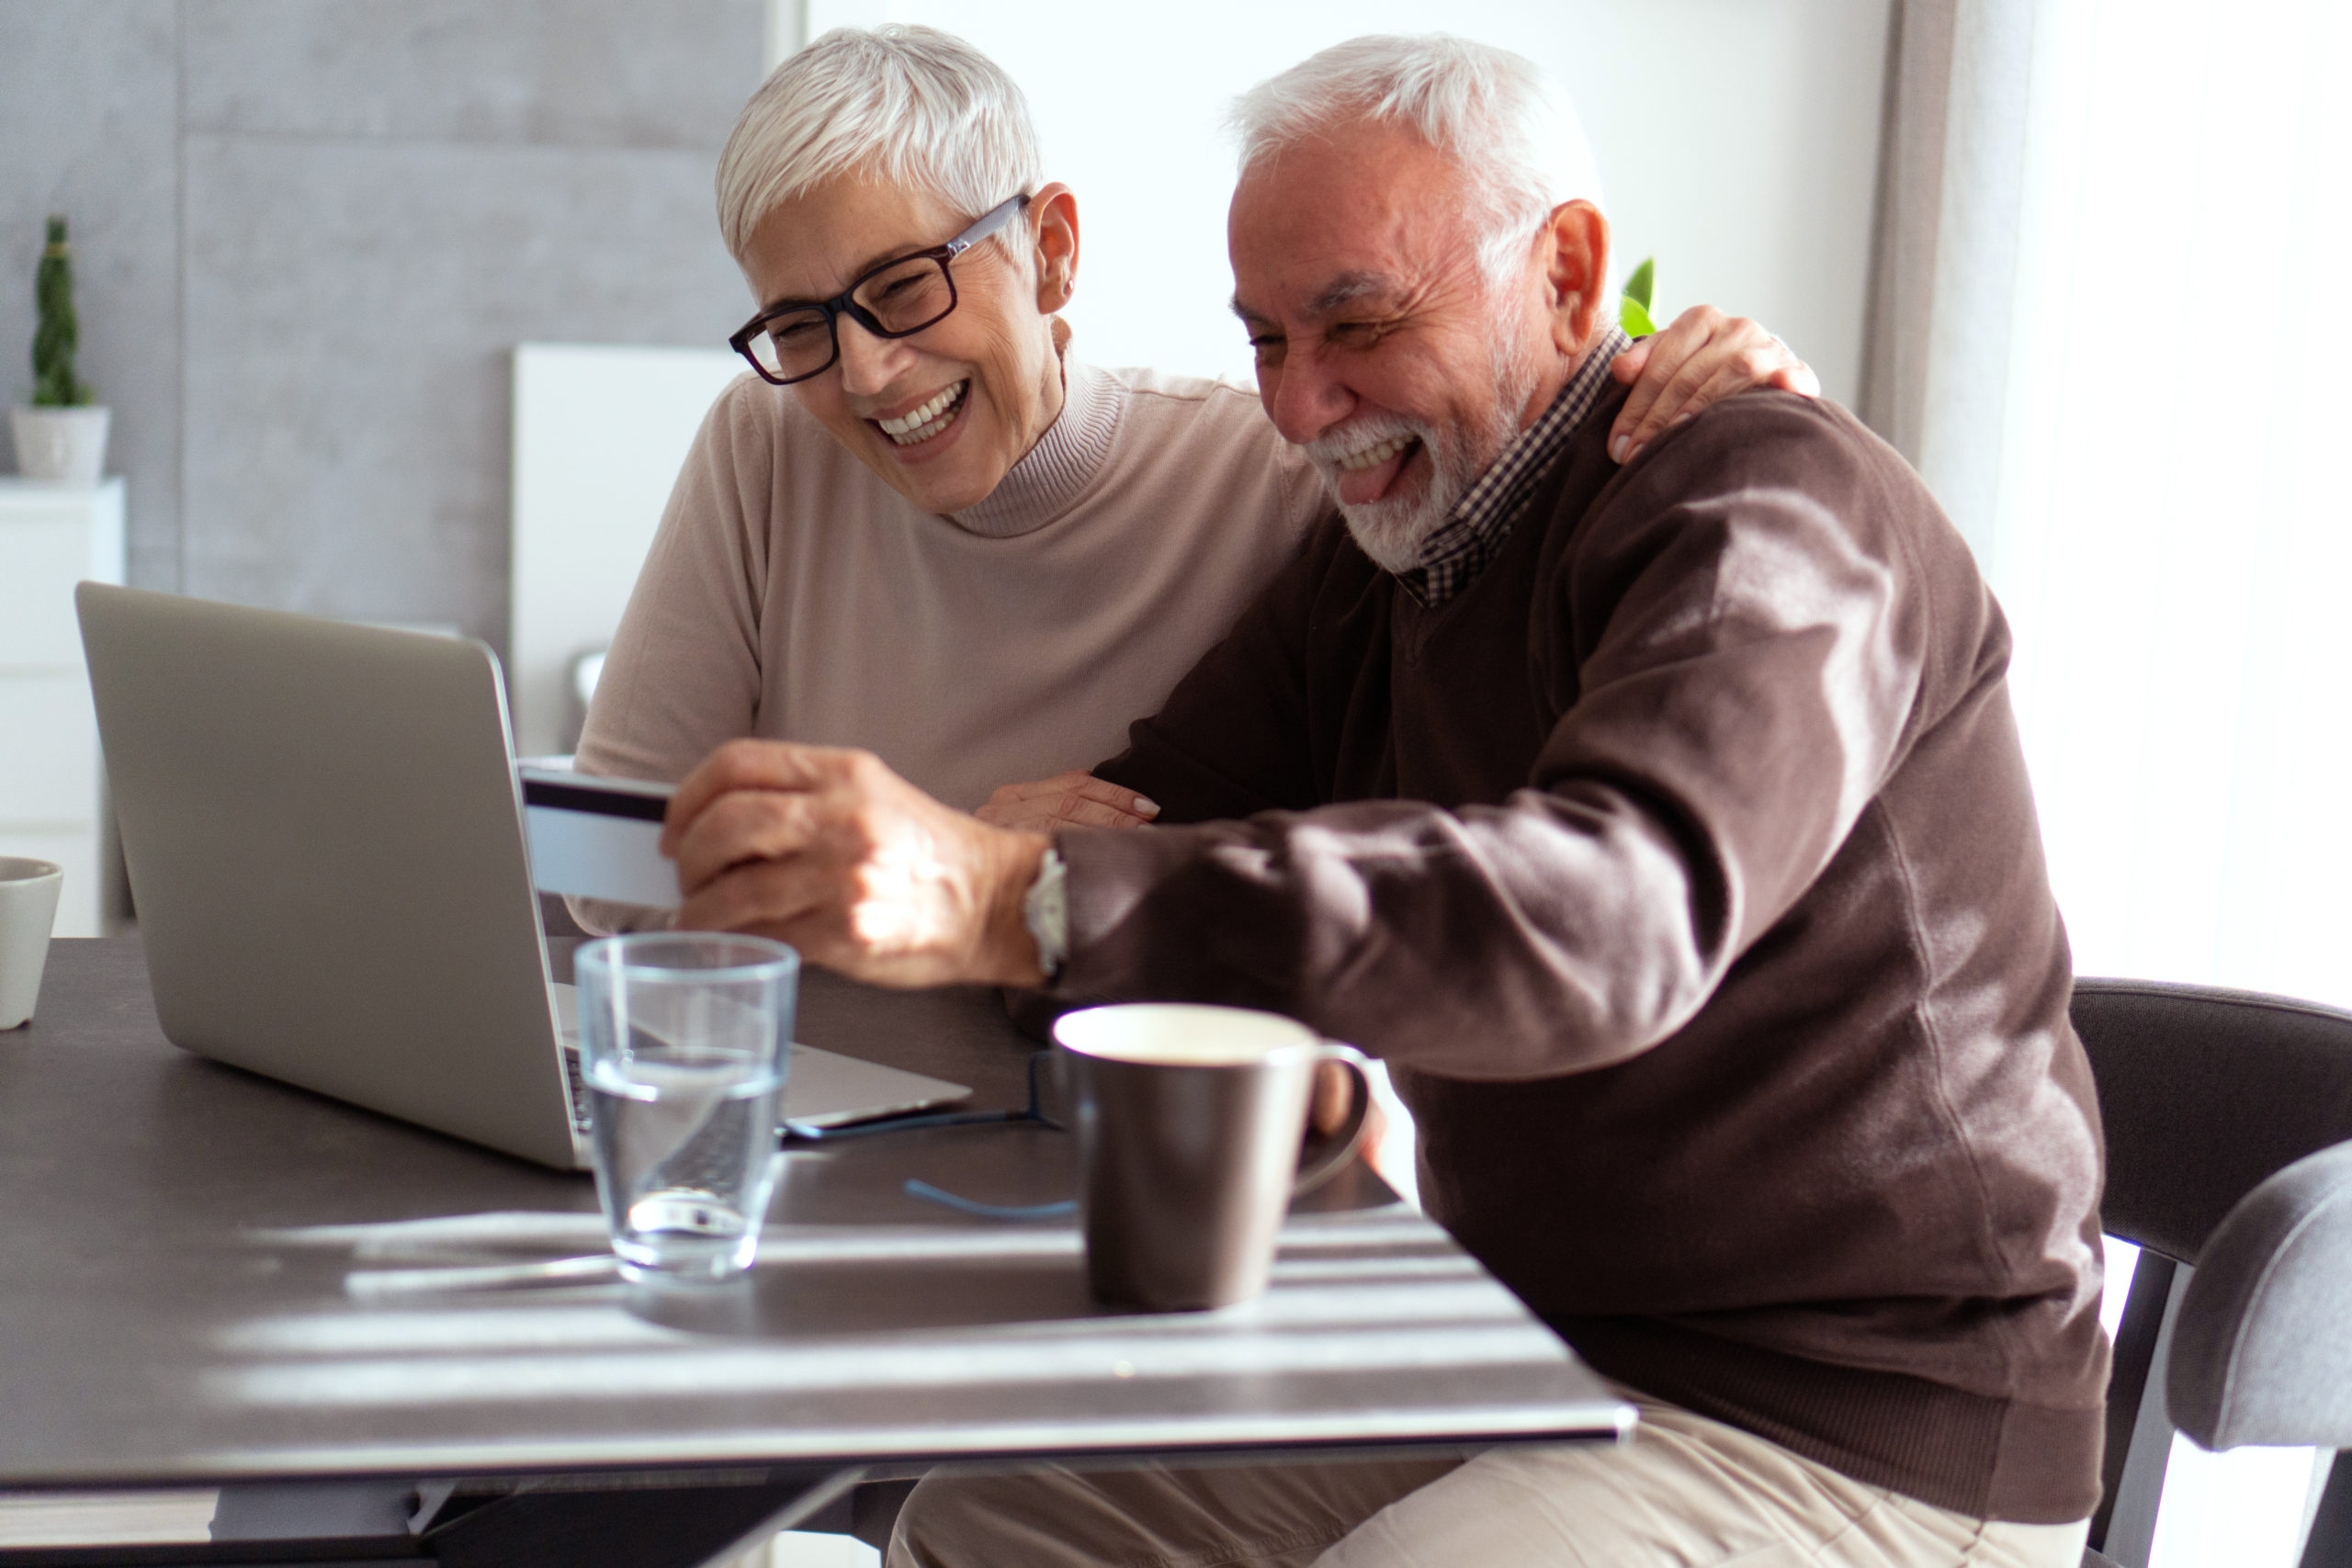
(1318, 1165)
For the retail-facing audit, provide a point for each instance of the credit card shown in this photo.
(598, 837)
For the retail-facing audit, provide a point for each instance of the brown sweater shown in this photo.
(1689, 880)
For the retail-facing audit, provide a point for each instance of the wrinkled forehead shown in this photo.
(1324, 226)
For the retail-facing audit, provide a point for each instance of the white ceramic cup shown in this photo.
(29, 891)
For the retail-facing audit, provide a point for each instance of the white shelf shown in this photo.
(53, 790)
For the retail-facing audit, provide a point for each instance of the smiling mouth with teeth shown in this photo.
(1380, 452)
(921, 423)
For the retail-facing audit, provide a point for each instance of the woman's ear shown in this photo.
(1575, 273)
(1053, 220)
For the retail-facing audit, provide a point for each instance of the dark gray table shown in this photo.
(207, 1275)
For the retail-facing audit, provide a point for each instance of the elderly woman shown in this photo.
(923, 528)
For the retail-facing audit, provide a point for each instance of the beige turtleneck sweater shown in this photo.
(791, 594)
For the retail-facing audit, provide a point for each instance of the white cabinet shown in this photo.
(52, 794)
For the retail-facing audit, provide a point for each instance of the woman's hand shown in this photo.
(1703, 357)
(1067, 800)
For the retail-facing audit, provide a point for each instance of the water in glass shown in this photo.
(684, 1043)
(685, 1156)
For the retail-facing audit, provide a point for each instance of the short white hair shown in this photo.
(1514, 137)
(908, 105)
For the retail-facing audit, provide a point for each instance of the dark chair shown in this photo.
(2227, 1117)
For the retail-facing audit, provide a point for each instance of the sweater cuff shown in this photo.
(1127, 938)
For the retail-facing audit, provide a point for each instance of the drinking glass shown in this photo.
(685, 1039)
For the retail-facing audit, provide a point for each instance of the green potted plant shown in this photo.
(62, 434)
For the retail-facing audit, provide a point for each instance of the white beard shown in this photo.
(1393, 529)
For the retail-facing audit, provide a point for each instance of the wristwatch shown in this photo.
(1045, 908)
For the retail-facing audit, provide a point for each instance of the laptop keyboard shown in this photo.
(575, 1086)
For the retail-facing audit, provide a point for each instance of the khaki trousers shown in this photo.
(1686, 1493)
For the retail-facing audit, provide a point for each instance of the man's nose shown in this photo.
(868, 363)
(1303, 397)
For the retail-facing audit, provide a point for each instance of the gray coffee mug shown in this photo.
(1190, 1121)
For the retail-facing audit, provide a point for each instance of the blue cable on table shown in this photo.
(917, 1187)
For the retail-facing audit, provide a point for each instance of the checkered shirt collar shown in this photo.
(1473, 531)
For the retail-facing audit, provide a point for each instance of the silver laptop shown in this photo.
(326, 853)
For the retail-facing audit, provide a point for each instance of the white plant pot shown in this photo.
(65, 445)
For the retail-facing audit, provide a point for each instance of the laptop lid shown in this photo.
(325, 848)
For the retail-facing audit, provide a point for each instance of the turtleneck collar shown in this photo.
(1041, 486)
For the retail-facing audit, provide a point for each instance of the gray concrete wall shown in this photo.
(307, 231)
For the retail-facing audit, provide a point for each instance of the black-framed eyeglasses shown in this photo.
(899, 299)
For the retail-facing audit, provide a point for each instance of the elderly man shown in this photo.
(1665, 830)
